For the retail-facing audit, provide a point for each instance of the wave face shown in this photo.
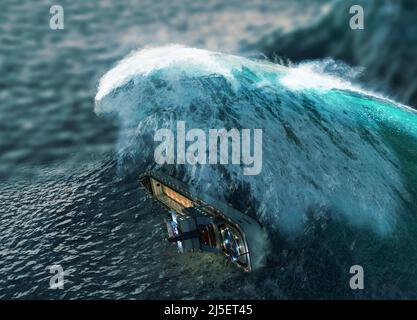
(329, 148)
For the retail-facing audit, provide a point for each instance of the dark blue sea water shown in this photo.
(338, 184)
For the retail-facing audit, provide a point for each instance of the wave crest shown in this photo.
(324, 150)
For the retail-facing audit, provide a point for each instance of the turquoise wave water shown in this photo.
(328, 147)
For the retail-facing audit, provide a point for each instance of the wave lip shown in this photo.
(198, 62)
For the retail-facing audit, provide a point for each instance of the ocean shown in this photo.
(77, 118)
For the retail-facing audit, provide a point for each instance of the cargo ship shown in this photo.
(200, 223)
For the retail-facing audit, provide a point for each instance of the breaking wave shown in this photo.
(329, 148)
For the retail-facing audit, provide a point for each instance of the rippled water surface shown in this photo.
(65, 197)
(61, 200)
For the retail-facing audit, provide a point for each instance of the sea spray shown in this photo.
(324, 145)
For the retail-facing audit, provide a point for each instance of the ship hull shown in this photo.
(199, 222)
